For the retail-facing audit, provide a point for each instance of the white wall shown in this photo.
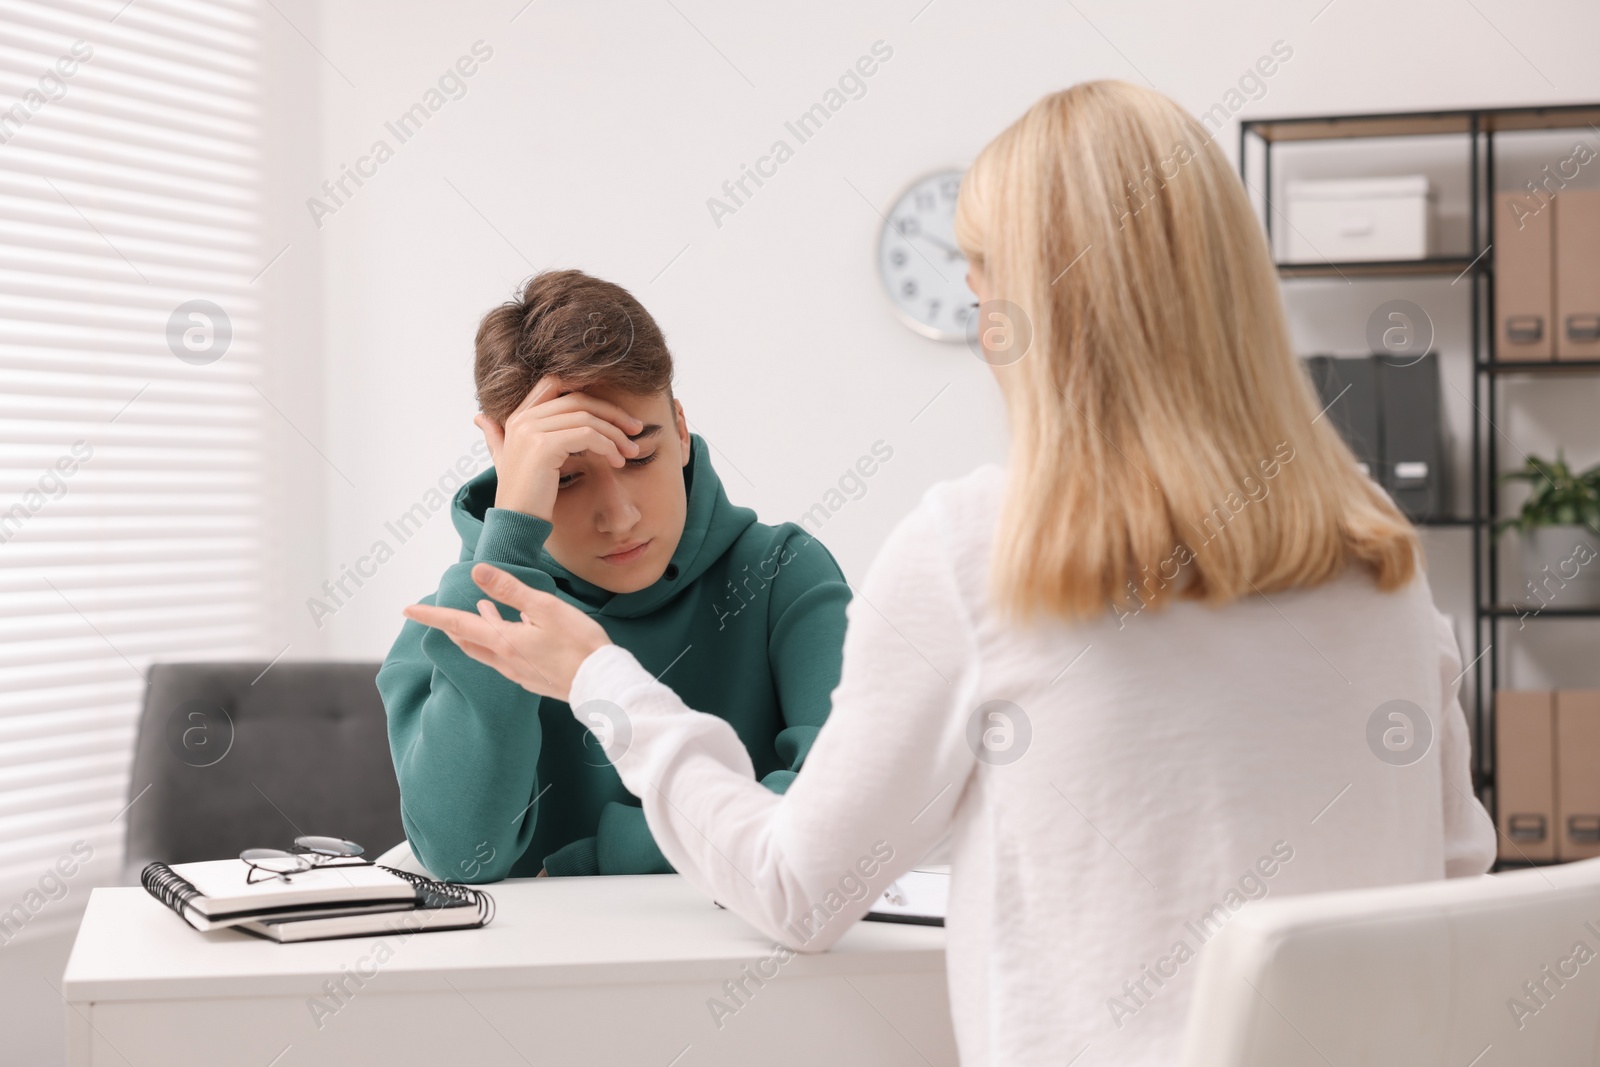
(291, 280)
(595, 133)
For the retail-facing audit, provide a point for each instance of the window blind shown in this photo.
(131, 436)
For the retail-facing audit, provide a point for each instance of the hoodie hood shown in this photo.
(711, 525)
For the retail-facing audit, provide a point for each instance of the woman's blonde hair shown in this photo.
(1164, 439)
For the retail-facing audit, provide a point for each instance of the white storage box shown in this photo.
(1356, 219)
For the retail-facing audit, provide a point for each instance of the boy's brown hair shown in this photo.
(580, 328)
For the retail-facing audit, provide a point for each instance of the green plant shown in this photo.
(1559, 497)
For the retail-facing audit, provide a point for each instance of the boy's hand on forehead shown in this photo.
(553, 423)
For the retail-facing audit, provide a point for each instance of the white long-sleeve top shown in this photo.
(1113, 790)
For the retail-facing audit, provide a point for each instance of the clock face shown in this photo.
(922, 269)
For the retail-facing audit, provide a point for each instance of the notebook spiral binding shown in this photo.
(449, 891)
(167, 886)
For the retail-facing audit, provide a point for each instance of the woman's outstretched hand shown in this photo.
(541, 653)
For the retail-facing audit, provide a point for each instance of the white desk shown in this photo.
(608, 970)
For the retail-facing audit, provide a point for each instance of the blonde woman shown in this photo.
(1176, 655)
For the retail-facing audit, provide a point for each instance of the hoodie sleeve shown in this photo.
(622, 844)
(464, 739)
(805, 640)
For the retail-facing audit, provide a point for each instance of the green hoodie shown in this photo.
(747, 623)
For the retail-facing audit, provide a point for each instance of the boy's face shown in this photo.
(618, 527)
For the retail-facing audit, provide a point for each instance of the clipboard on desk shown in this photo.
(920, 896)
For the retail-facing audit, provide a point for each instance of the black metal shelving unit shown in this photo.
(1479, 126)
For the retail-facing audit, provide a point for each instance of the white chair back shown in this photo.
(1465, 972)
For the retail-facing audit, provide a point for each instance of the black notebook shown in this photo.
(329, 901)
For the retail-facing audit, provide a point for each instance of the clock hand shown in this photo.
(951, 251)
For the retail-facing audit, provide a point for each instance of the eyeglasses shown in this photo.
(309, 852)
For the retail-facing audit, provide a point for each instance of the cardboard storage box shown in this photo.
(1577, 273)
(1525, 787)
(1547, 774)
(1359, 219)
(1577, 742)
(1524, 257)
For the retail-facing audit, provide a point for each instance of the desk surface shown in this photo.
(546, 931)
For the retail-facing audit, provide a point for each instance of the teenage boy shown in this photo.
(599, 494)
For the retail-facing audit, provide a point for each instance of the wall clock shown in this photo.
(923, 271)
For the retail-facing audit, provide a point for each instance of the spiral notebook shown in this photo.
(333, 900)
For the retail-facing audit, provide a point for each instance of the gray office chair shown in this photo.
(229, 758)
